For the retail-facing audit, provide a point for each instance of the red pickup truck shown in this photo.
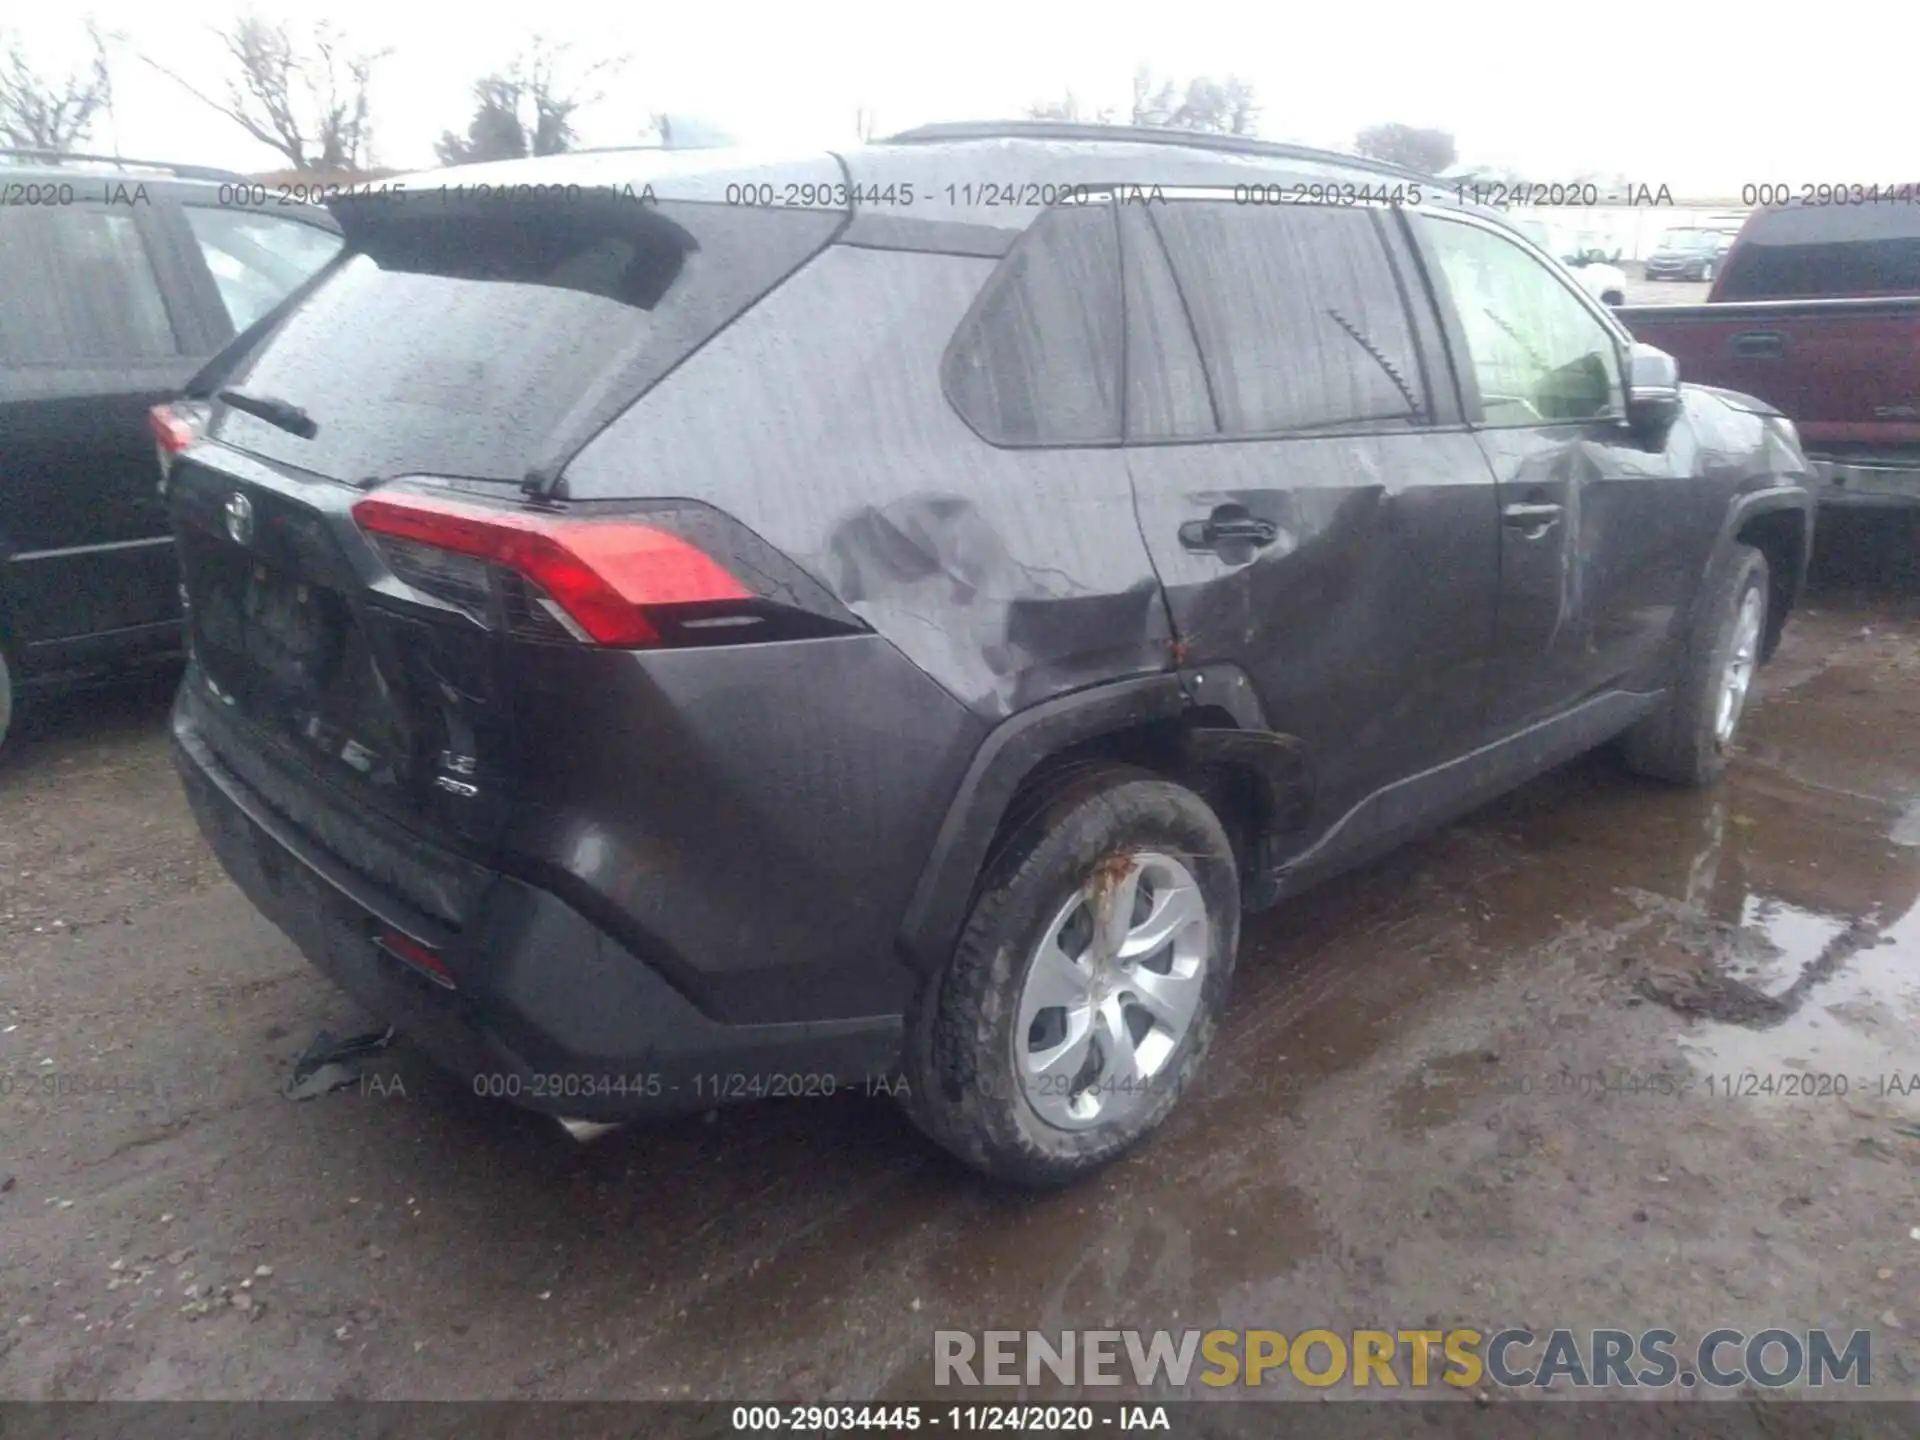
(1816, 310)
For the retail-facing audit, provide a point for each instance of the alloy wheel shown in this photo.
(1111, 990)
(1738, 675)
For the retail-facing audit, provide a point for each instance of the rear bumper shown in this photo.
(546, 1009)
(1855, 486)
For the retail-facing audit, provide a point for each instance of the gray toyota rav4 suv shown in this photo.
(675, 626)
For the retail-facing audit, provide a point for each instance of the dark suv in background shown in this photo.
(1688, 254)
(668, 628)
(118, 280)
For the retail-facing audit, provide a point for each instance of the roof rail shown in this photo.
(182, 172)
(1141, 135)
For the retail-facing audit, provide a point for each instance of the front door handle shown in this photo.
(1534, 520)
(1229, 526)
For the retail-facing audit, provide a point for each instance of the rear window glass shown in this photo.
(487, 340)
(1798, 253)
(256, 259)
(77, 289)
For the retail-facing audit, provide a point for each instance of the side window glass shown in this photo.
(1167, 393)
(1538, 353)
(77, 289)
(1300, 321)
(257, 259)
(1037, 360)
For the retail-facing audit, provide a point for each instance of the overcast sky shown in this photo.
(1702, 98)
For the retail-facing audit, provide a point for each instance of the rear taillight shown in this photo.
(600, 580)
(174, 428)
(172, 431)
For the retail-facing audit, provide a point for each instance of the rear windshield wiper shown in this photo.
(275, 411)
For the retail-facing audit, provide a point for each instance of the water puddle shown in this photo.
(1795, 948)
(1842, 1022)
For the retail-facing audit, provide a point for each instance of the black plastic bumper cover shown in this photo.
(547, 1010)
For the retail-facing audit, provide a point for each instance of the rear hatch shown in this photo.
(373, 520)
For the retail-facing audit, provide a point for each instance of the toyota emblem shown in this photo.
(240, 518)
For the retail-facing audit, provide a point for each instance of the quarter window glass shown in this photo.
(1037, 361)
(257, 259)
(1538, 353)
(77, 289)
(1300, 322)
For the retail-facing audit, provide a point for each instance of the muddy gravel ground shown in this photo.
(1474, 1084)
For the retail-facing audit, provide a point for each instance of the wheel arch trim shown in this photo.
(1006, 757)
(1754, 505)
(1226, 727)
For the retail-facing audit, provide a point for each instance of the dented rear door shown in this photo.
(1315, 511)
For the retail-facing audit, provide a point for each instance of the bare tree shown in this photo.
(1226, 107)
(528, 108)
(41, 112)
(306, 98)
(496, 131)
(558, 89)
(1429, 150)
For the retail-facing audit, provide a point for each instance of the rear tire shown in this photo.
(1067, 1023)
(1687, 740)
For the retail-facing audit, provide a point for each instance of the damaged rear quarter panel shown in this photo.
(749, 820)
(1009, 576)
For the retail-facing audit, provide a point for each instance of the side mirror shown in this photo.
(1653, 392)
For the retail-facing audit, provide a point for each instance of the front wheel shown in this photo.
(1083, 993)
(1687, 740)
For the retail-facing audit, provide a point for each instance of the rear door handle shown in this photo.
(1535, 519)
(1230, 525)
(1758, 344)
